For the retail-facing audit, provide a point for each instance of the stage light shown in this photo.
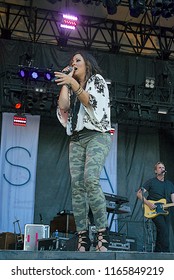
(48, 76)
(112, 131)
(136, 7)
(40, 89)
(30, 105)
(111, 6)
(108, 81)
(156, 11)
(19, 120)
(34, 75)
(166, 13)
(158, 3)
(69, 22)
(42, 105)
(168, 4)
(18, 105)
(22, 73)
(163, 111)
(150, 82)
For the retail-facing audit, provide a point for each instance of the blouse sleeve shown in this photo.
(99, 109)
(62, 116)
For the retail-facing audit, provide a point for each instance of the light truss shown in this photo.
(42, 26)
(134, 104)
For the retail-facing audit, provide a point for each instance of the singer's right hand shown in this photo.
(62, 78)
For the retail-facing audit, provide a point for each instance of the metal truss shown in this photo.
(144, 37)
(37, 96)
(136, 104)
(130, 104)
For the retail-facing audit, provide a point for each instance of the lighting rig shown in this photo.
(29, 89)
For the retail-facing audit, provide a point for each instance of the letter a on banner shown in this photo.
(18, 160)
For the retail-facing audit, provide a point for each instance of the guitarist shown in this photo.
(158, 188)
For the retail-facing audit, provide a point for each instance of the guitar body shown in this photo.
(159, 210)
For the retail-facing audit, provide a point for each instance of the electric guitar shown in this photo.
(159, 210)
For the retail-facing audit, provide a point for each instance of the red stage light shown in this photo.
(18, 105)
(19, 120)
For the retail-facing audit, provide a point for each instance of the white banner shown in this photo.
(108, 177)
(18, 161)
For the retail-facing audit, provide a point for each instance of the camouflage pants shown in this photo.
(87, 157)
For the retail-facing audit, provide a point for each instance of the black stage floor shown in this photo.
(70, 255)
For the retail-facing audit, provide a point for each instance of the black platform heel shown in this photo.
(103, 240)
(84, 241)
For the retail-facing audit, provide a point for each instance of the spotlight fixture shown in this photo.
(163, 111)
(149, 82)
(166, 13)
(48, 76)
(69, 22)
(168, 4)
(19, 120)
(34, 75)
(22, 73)
(40, 89)
(156, 11)
(108, 81)
(111, 6)
(136, 7)
(18, 105)
(158, 3)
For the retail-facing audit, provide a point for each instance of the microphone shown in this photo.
(164, 171)
(65, 72)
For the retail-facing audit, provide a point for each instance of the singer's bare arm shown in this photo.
(141, 197)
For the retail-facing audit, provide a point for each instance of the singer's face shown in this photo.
(159, 169)
(80, 67)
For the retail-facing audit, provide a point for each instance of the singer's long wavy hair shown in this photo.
(92, 66)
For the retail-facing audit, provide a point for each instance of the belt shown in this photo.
(78, 135)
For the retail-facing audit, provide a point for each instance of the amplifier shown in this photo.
(119, 246)
(120, 241)
(117, 237)
(52, 244)
(48, 244)
(7, 240)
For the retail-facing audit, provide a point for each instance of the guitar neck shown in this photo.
(168, 205)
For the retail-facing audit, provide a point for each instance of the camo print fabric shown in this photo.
(87, 157)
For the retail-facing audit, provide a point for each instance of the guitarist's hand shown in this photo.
(151, 205)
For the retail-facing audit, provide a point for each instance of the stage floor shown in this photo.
(70, 255)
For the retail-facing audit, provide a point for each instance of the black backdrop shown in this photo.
(139, 148)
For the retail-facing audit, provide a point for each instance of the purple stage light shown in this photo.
(34, 75)
(69, 21)
(22, 73)
(48, 76)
